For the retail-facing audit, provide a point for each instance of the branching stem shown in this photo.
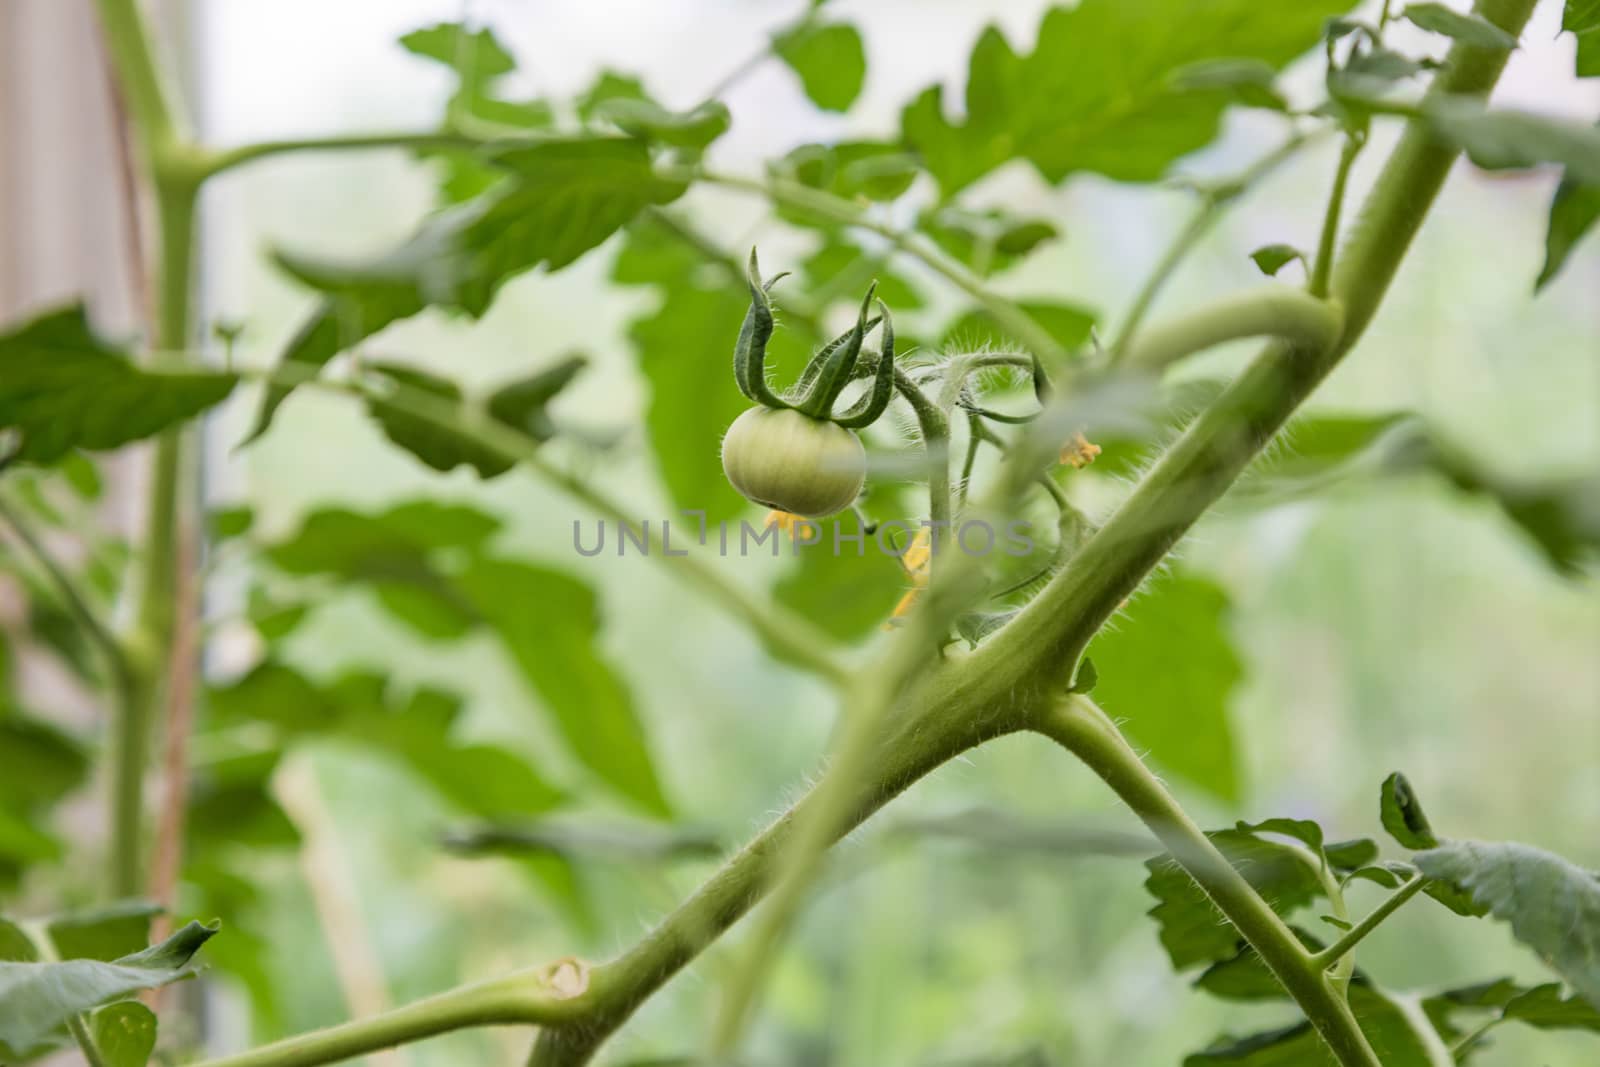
(1341, 948)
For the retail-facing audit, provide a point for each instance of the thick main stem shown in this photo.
(1084, 730)
(129, 43)
(1049, 635)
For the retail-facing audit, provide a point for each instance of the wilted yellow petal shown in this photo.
(1079, 452)
(783, 520)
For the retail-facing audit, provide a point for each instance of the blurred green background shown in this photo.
(1398, 626)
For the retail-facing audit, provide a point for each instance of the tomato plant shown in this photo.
(962, 515)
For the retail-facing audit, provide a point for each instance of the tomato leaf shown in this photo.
(830, 60)
(1385, 1024)
(548, 622)
(1110, 87)
(1461, 26)
(844, 583)
(1573, 211)
(1273, 258)
(1178, 712)
(37, 997)
(107, 933)
(1401, 814)
(62, 387)
(1553, 906)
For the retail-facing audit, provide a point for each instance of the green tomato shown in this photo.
(785, 460)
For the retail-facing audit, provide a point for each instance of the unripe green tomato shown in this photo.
(785, 460)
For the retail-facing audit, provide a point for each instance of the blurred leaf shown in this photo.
(843, 267)
(830, 60)
(1192, 931)
(1273, 258)
(37, 997)
(1385, 1025)
(681, 129)
(564, 196)
(1513, 140)
(1466, 28)
(1401, 814)
(1542, 1007)
(1561, 516)
(226, 523)
(549, 623)
(435, 445)
(107, 933)
(62, 388)
(1573, 211)
(231, 804)
(523, 403)
(1167, 672)
(39, 765)
(986, 241)
(846, 586)
(1553, 907)
(477, 55)
(1068, 324)
(1304, 831)
(125, 1034)
(1102, 90)
(1248, 82)
(1581, 16)
(416, 729)
(872, 170)
(609, 86)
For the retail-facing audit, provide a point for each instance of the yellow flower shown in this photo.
(783, 520)
(1079, 451)
(915, 560)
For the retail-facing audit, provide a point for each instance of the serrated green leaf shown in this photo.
(1179, 712)
(1581, 16)
(562, 197)
(1553, 907)
(1460, 26)
(1573, 211)
(476, 52)
(1304, 831)
(1101, 91)
(433, 444)
(1385, 1025)
(62, 387)
(1401, 814)
(681, 129)
(523, 403)
(1273, 258)
(1544, 1008)
(35, 998)
(986, 241)
(125, 1034)
(415, 729)
(1192, 931)
(555, 646)
(830, 60)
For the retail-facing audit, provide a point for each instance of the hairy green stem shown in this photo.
(1270, 311)
(210, 163)
(1322, 266)
(1047, 637)
(167, 160)
(543, 996)
(1079, 726)
(1213, 205)
(1340, 949)
(935, 428)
